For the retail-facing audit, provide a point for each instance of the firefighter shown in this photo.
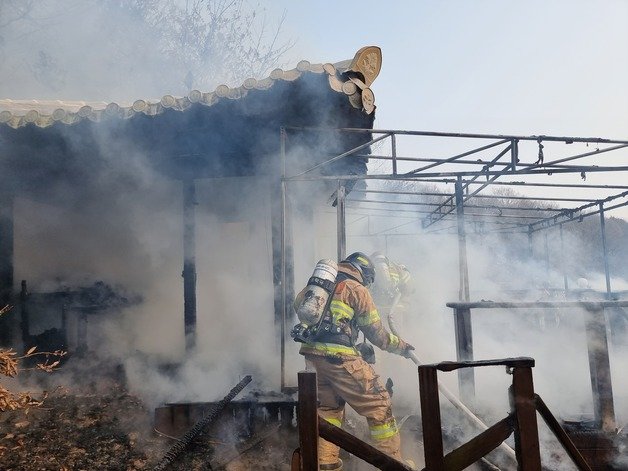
(392, 279)
(343, 376)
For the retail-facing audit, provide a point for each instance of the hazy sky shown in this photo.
(556, 67)
(552, 67)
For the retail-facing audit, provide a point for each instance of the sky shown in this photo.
(537, 67)
(555, 67)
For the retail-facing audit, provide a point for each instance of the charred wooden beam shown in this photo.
(560, 434)
(430, 418)
(307, 419)
(189, 264)
(600, 369)
(464, 352)
(526, 431)
(518, 362)
(478, 447)
(6, 266)
(358, 448)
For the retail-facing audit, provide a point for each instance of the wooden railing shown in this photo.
(521, 421)
(597, 347)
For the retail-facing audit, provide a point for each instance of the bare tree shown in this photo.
(112, 49)
(210, 40)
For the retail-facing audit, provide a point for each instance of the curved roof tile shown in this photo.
(343, 77)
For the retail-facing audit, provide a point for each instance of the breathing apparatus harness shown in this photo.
(326, 330)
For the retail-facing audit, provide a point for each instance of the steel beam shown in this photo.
(605, 251)
(576, 213)
(456, 157)
(341, 225)
(400, 132)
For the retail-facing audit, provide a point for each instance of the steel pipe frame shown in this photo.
(535, 184)
(459, 156)
(568, 214)
(484, 163)
(509, 197)
(419, 203)
(528, 168)
(400, 132)
(430, 219)
(512, 147)
(513, 216)
(510, 169)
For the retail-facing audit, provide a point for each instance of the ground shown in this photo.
(103, 427)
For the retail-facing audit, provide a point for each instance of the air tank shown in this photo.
(319, 288)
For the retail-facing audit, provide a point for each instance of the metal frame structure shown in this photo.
(490, 161)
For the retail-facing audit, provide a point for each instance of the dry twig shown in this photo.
(9, 366)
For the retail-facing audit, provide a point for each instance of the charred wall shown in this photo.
(66, 166)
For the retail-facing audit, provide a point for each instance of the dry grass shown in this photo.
(10, 366)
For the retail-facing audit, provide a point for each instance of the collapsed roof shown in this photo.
(227, 132)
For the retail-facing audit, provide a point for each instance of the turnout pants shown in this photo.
(354, 382)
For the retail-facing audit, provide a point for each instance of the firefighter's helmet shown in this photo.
(379, 257)
(364, 265)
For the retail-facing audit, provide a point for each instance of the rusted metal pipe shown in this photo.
(186, 440)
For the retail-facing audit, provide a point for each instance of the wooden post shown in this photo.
(189, 264)
(430, 419)
(526, 431)
(464, 352)
(307, 419)
(600, 369)
(25, 318)
(6, 267)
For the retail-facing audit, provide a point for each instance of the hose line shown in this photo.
(451, 397)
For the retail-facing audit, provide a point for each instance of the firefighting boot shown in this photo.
(337, 466)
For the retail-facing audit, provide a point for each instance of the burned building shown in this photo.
(173, 217)
(127, 195)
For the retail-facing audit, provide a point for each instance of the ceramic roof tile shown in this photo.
(43, 113)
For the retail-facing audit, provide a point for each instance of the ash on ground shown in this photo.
(100, 425)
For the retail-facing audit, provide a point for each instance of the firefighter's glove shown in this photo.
(367, 352)
(405, 348)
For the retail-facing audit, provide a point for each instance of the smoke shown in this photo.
(124, 50)
(500, 269)
(117, 219)
(111, 216)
